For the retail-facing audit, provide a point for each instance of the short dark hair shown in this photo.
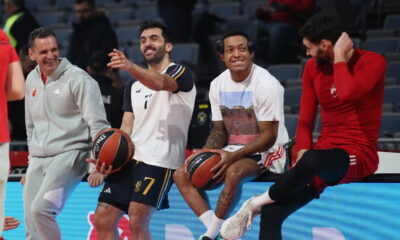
(220, 43)
(90, 2)
(98, 61)
(41, 32)
(322, 26)
(154, 24)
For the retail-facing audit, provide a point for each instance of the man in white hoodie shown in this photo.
(63, 111)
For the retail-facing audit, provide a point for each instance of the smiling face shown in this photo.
(237, 56)
(153, 46)
(44, 52)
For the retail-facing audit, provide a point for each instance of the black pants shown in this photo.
(292, 192)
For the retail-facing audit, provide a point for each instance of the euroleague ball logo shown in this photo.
(195, 162)
(98, 143)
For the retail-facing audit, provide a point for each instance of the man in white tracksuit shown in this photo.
(63, 111)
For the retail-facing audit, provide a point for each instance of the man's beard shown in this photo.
(321, 58)
(157, 57)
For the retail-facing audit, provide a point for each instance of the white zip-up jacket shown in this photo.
(63, 114)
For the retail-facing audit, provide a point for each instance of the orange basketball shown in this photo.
(113, 147)
(199, 168)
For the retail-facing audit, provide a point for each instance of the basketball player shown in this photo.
(12, 87)
(158, 108)
(248, 121)
(63, 109)
(347, 84)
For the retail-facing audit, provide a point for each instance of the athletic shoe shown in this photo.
(237, 225)
(202, 237)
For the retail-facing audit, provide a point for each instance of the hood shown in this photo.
(61, 68)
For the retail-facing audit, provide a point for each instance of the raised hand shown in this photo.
(119, 60)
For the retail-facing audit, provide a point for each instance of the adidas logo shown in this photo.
(107, 190)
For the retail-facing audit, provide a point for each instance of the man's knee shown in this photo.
(39, 210)
(180, 175)
(309, 160)
(102, 223)
(234, 176)
(138, 222)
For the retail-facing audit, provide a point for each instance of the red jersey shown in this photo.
(351, 97)
(7, 56)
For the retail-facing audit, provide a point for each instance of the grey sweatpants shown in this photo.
(49, 182)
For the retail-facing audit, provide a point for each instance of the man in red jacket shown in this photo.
(347, 84)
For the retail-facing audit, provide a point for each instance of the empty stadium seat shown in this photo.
(116, 15)
(392, 22)
(50, 19)
(291, 124)
(250, 7)
(185, 53)
(147, 13)
(392, 96)
(393, 71)
(382, 45)
(64, 4)
(292, 98)
(284, 72)
(128, 34)
(36, 3)
(224, 10)
(63, 35)
(390, 124)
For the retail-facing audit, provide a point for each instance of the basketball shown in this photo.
(199, 168)
(113, 147)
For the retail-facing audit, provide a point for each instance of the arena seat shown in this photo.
(382, 45)
(393, 71)
(292, 98)
(392, 95)
(291, 124)
(390, 124)
(186, 53)
(284, 72)
(224, 10)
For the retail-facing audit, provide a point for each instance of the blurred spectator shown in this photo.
(16, 109)
(112, 96)
(177, 16)
(19, 23)
(92, 32)
(280, 20)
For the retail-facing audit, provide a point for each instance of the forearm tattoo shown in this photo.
(216, 139)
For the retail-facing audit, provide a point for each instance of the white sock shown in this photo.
(213, 229)
(260, 201)
(206, 218)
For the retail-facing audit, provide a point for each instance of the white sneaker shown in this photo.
(237, 225)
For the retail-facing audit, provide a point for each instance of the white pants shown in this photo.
(4, 169)
(49, 182)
